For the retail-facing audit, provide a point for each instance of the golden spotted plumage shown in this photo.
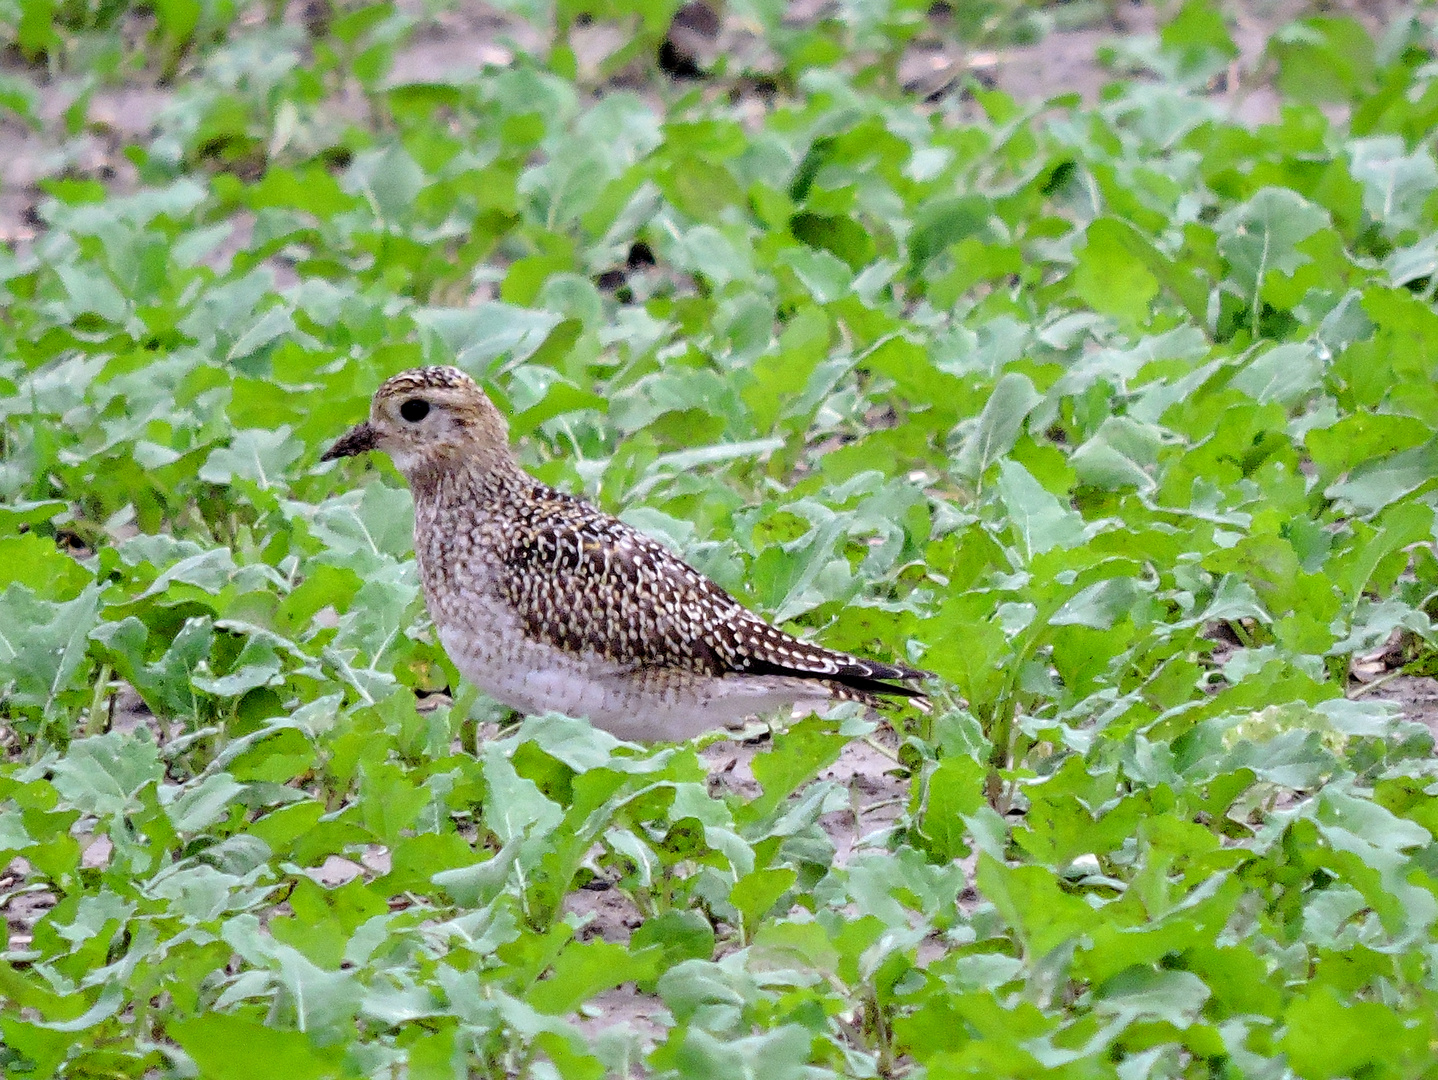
(547, 602)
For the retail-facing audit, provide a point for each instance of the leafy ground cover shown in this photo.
(1120, 415)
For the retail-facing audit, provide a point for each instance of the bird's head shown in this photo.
(428, 418)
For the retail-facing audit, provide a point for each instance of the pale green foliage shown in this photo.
(1122, 419)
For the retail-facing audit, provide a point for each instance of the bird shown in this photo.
(548, 603)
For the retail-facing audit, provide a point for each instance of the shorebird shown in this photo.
(548, 603)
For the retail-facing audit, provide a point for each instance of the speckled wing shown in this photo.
(588, 583)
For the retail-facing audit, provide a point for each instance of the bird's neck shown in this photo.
(478, 478)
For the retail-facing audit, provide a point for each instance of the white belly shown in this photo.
(640, 706)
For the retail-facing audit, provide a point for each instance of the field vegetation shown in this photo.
(1118, 412)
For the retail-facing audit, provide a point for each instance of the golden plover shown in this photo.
(546, 602)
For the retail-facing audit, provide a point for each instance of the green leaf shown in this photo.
(102, 775)
(43, 645)
(756, 893)
(1396, 184)
(1039, 520)
(1141, 993)
(473, 337)
(165, 684)
(1102, 604)
(389, 180)
(477, 884)
(1362, 437)
(681, 935)
(36, 561)
(258, 455)
(1197, 32)
(705, 251)
(584, 969)
(1262, 236)
(781, 1053)
(1030, 901)
(1328, 58)
(17, 515)
(203, 804)
(1110, 277)
(1284, 374)
(942, 222)
(1325, 1038)
(1122, 453)
(948, 795)
(1371, 487)
(389, 801)
(796, 756)
(226, 1046)
(993, 433)
(515, 810)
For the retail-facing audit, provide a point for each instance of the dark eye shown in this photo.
(414, 410)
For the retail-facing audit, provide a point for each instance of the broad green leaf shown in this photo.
(1396, 184)
(1284, 374)
(781, 1053)
(37, 563)
(103, 774)
(225, 1046)
(1039, 521)
(946, 797)
(584, 969)
(1030, 901)
(1327, 58)
(1325, 1037)
(1121, 453)
(261, 456)
(756, 893)
(682, 935)
(43, 645)
(202, 805)
(1262, 236)
(18, 515)
(474, 337)
(1177, 997)
(1102, 604)
(1371, 487)
(797, 755)
(1110, 277)
(1362, 437)
(389, 180)
(993, 433)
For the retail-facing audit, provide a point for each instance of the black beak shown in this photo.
(359, 439)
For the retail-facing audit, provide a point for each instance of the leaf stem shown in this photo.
(97, 721)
